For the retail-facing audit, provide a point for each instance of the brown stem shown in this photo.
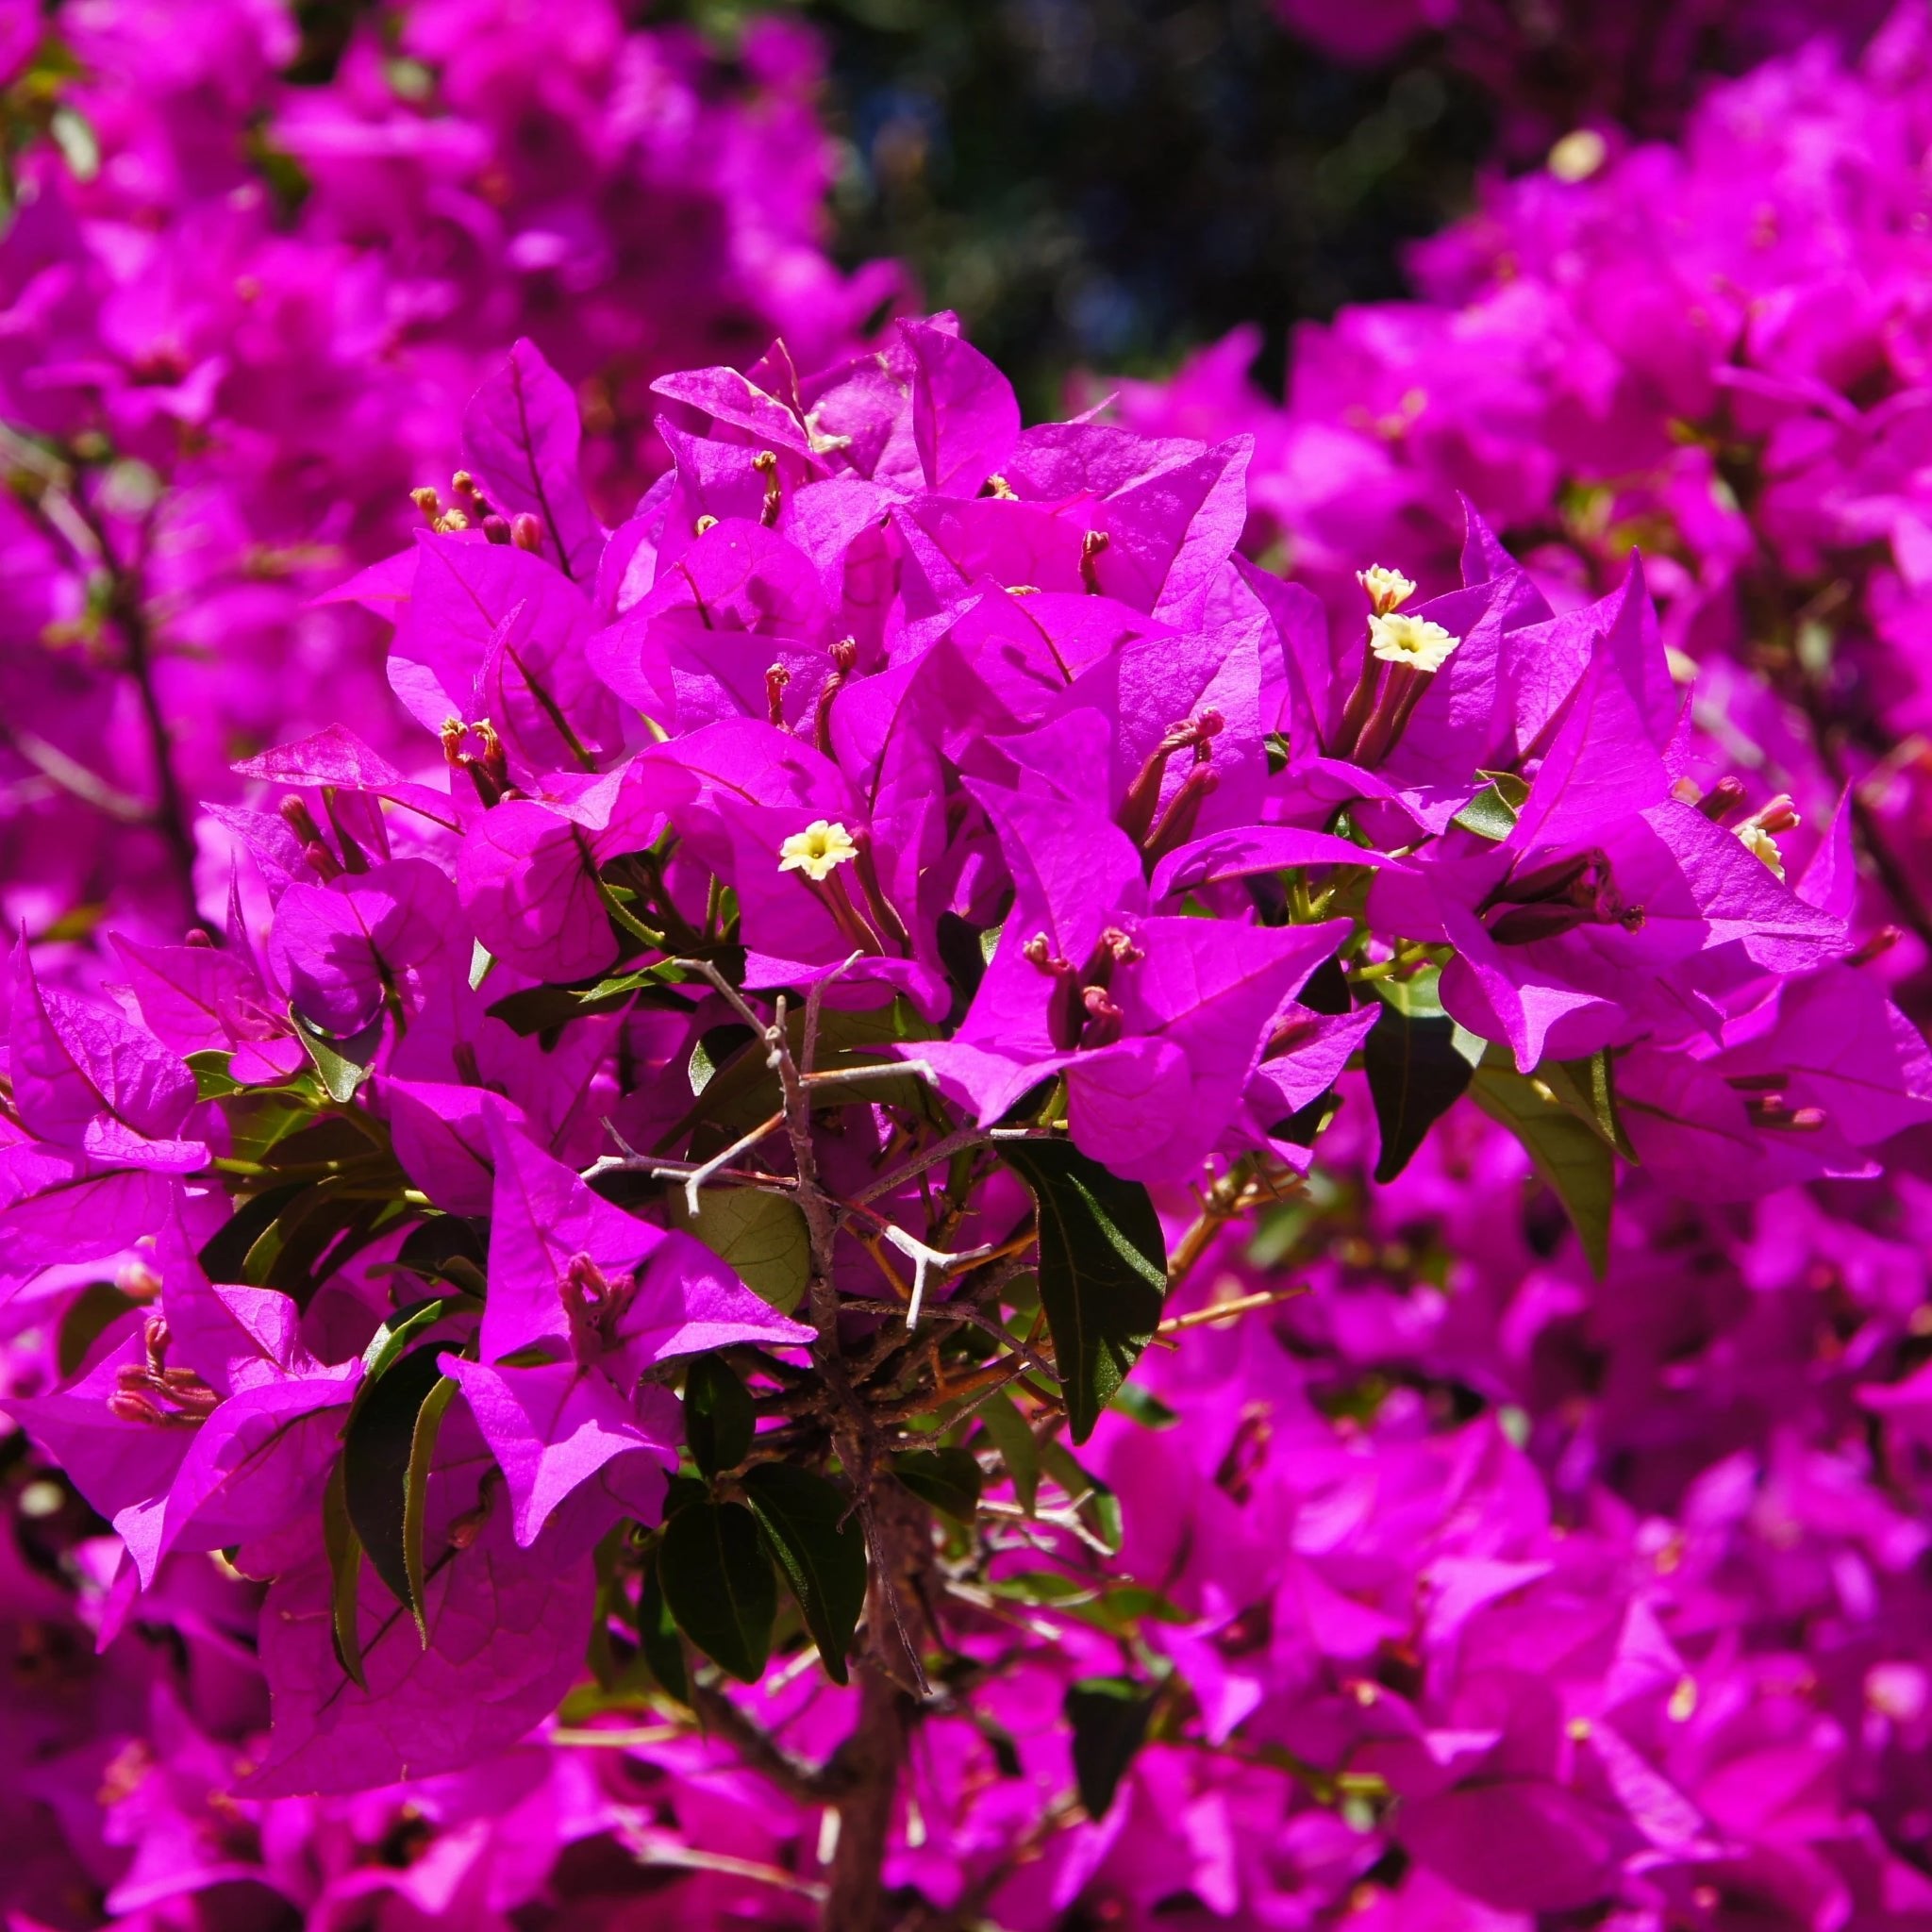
(762, 1752)
(127, 606)
(870, 1759)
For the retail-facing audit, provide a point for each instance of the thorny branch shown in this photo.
(870, 1385)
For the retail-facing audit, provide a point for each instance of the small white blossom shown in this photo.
(815, 851)
(1412, 640)
(1578, 155)
(1388, 590)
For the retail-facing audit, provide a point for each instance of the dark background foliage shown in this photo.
(1104, 184)
(1108, 183)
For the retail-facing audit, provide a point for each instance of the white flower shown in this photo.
(1388, 590)
(1412, 641)
(1578, 155)
(815, 851)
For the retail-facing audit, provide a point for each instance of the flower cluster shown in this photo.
(242, 311)
(1716, 352)
(616, 1238)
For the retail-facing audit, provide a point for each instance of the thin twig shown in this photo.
(1223, 1311)
(707, 1170)
(811, 1784)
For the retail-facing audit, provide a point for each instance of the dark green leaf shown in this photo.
(658, 1638)
(376, 1454)
(1001, 1743)
(1570, 1157)
(344, 1550)
(315, 1233)
(960, 955)
(540, 1009)
(1419, 1063)
(225, 1254)
(444, 1247)
(681, 1492)
(719, 1585)
(330, 1143)
(949, 1479)
(416, 1493)
(1103, 1271)
(1109, 1717)
(718, 1418)
(762, 1237)
(1012, 1437)
(815, 1539)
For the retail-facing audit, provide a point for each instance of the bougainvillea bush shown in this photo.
(945, 1175)
(602, 1331)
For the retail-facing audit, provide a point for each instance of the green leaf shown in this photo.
(342, 1067)
(719, 1585)
(224, 1255)
(344, 1550)
(1109, 1717)
(1589, 1089)
(949, 1479)
(1419, 1063)
(444, 1247)
(763, 1236)
(547, 1009)
(1138, 1405)
(815, 1539)
(1012, 1437)
(1489, 815)
(1570, 1156)
(1103, 1271)
(715, 1045)
(658, 1638)
(718, 1418)
(1097, 1505)
(213, 1080)
(416, 1493)
(394, 1336)
(377, 1453)
(1117, 1608)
